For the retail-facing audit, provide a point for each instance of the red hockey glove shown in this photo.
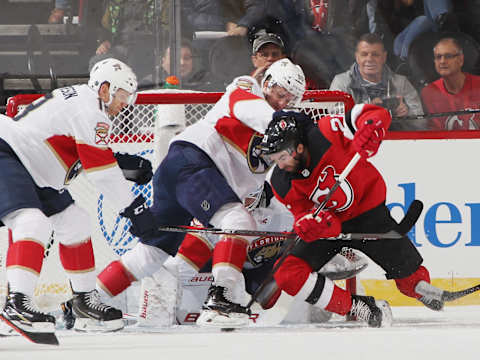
(311, 228)
(368, 137)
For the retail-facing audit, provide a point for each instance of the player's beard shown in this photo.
(301, 163)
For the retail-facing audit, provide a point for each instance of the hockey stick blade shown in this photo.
(454, 295)
(411, 217)
(47, 338)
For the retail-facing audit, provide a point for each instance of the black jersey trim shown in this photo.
(348, 121)
(281, 181)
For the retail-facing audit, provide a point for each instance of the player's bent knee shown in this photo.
(29, 224)
(292, 274)
(72, 225)
(233, 216)
(407, 285)
(143, 260)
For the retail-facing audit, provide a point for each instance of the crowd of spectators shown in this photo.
(385, 52)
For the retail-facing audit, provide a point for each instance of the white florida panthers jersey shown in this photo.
(63, 133)
(230, 132)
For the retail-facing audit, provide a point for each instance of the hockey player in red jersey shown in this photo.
(41, 151)
(308, 159)
(208, 171)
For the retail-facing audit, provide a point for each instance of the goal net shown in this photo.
(143, 129)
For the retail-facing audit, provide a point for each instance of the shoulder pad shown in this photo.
(281, 182)
(246, 83)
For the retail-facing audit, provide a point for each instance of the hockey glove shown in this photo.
(135, 168)
(143, 223)
(311, 228)
(368, 137)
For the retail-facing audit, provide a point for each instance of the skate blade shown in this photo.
(387, 317)
(213, 318)
(92, 325)
(38, 336)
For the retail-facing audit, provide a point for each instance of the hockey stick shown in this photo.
(290, 244)
(435, 115)
(454, 295)
(405, 225)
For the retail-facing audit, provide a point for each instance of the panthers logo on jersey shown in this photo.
(264, 249)
(73, 172)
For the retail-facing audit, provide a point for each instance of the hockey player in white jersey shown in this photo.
(209, 168)
(41, 150)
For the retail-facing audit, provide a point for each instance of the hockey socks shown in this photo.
(115, 278)
(195, 250)
(24, 263)
(79, 263)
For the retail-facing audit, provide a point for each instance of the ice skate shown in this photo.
(23, 316)
(432, 304)
(431, 295)
(375, 313)
(219, 311)
(93, 315)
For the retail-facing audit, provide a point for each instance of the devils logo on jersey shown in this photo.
(341, 199)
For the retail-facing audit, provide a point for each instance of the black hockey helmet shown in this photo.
(283, 131)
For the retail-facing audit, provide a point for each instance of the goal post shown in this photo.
(143, 129)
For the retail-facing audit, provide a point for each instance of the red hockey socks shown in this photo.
(24, 263)
(407, 285)
(115, 278)
(195, 251)
(230, 251)
(79, 263)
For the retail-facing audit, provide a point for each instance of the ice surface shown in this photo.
(417, 333)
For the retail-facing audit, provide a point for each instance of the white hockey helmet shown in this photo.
(118, 74)
(289, 76)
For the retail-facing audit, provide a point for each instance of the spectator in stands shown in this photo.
(455, 90)
(267, 48)
(233, 16)
(370, 80)
(126, 33)
(437, 16)
(191, 74)
(57, 14)
(334, 25)
(242, 15)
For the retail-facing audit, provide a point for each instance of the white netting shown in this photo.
(143, 129)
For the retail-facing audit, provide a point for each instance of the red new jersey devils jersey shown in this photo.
(330, 149)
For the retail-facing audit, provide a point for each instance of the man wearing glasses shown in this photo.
(267, 48)
(455, 90)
